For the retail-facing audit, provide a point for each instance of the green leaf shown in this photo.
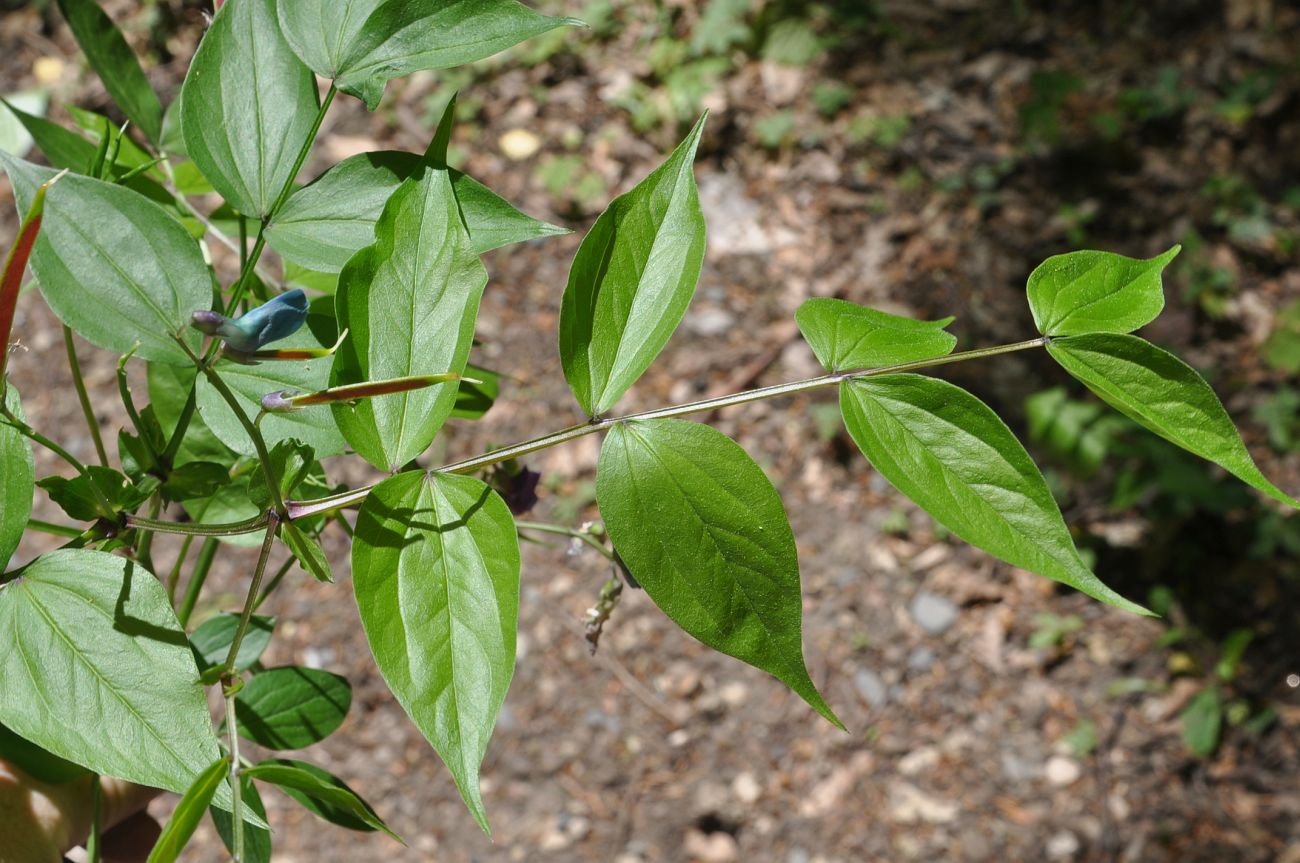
(1157, 390)
(323, 794)
(848, 336)
(195, 479)
(211, 641)
(248, 106)
(631, 281)
(113, 265)
(324, 224)
(126, 682)
(35, 761)
(323, 33)
(1203, 721)
(18, 483)
(702, 529)
(115, 64)
(364, 43)
(229, 504)
(291, 707)
(435, 567)
(307, 551)
(1096, 292)
(257, 840)
(61, 147)
(314, 426)
(409, 303)
(77, 498)
(189, 812)
(946, 450)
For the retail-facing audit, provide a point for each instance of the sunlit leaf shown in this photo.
(702, 529)
(435, 566)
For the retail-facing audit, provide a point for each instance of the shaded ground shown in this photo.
(656, 749)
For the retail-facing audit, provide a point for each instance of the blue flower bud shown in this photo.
(279, 318)
(276, 319)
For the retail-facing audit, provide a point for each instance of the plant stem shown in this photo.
(236, 787)
(96, 819)
(182, 423)
(274, 582)
(128, 402)
(575, 533)
(301, 509)
(80, 384)
(250, 602)
(144, 550)
(185, 528)
(54, 529)
(241, 286)
(207, 553)
(174, 576)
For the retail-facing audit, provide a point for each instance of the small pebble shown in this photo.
(1063, 845)
(711, 847)
(746, 788)
(1061, 771)
(519, 144)
(932, 612)
(920, 659)
(871, 687)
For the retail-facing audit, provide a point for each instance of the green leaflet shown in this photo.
(844, 335)
(364, 43)
(320, 792)
(313, 426)
(946, 450)
(113, 265)
(247, 106)
(323, 224)
(409, 302)
(126, 677)
(115, 64)
(700, 526)
(435, 566)
(189, 812)
(1159, 391)
(291, 708)
(631, 281)
(1096, 292)
(18, 482)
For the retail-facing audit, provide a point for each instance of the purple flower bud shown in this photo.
(279, 402)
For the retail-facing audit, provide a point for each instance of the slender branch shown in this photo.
(250, 602)
(74, 365)
(182, 423)
(241, 286)
(236, 786)
(575, 533)
(302, 509)
(207, 553)
(230, 689)
(187, 528)
(144, 548)
(274, 582)
(174, 576)
(53, 529)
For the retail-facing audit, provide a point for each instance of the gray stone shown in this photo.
(932, 612)
(871, 687)
(920, 659)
